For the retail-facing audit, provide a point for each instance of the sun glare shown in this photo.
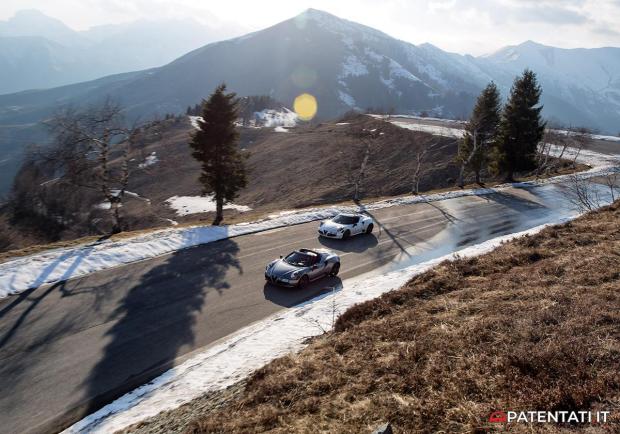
(305, 106)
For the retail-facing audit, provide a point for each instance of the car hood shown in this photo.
(282, 268)
(332, 226)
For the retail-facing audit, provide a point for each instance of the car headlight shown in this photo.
(341, 230)
(268, 267)
(295, 274)
(322, 223)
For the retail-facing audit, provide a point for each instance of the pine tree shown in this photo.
(214, 145)
(521, 128)
(480, 132)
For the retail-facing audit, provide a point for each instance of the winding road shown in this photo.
(69, 348)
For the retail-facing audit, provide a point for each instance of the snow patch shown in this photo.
(276, 118)
(432, 129)
(280, 130)
(194, 121)
(352, 67)
(186, 205)
(149, 160)
(346, 98)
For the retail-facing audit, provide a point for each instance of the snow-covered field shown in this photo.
(56, 265)
(459, 132)
(186, 205)
(431, 129)
(277, 118)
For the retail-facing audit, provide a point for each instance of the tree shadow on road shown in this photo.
(155, 321)
(356, 244)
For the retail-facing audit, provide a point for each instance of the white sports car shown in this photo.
(345, 225)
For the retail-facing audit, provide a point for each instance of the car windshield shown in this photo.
(300, 259)
(345, 219)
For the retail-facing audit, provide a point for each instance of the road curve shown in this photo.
(67, 349)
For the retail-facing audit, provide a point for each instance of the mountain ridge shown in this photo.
(345, 65)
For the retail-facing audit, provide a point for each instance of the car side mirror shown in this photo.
(280, 256)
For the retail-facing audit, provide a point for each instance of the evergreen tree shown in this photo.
(521, 128)
(214, 145)
(481, 131)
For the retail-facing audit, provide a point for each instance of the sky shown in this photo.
(464, 26)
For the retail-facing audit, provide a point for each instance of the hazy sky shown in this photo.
(465, 26)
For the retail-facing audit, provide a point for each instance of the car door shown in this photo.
(318, 268)
(357, 227)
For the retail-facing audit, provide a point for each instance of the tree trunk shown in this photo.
(116, 229)
(362, 172)
(219, 210)
(478, 181)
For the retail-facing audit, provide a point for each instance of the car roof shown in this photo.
(307, 252)
(348, 214)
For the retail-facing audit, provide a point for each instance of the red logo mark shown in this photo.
(498, 417)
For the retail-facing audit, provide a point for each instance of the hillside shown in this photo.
(288, 168)
(533, 325)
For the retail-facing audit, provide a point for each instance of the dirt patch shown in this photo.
(534, 325)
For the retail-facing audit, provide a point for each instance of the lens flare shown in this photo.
(305, 106)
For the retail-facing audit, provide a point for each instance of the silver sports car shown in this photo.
(302, 266)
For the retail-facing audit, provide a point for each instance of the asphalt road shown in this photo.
(67, 349)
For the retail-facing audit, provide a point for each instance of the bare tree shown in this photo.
(86, 143)
(419, 161)
(582, 137)
(467, 161)
(582, 193)
(367, 138)
(545, 163)
(612, 181)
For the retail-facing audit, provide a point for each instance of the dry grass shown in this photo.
(534, 325)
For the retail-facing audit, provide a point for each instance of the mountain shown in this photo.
(343, 64)
(580, 86)
(346, 66)
(37, 51)
(34, 23)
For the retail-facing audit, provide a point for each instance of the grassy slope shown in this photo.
(534, 325)
(309, 165)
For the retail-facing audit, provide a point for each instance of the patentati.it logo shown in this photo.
(572, 417)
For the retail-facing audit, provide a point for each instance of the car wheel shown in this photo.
(303, 282)
(335, 269)
(370, 228)
(346, 234)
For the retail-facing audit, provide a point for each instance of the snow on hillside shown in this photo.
(436, 130)
(276, 118)
(194, 121)
(268, 118)
(149, 160)
(186, 205)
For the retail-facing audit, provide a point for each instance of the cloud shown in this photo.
(545, 13)
(465, 26)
